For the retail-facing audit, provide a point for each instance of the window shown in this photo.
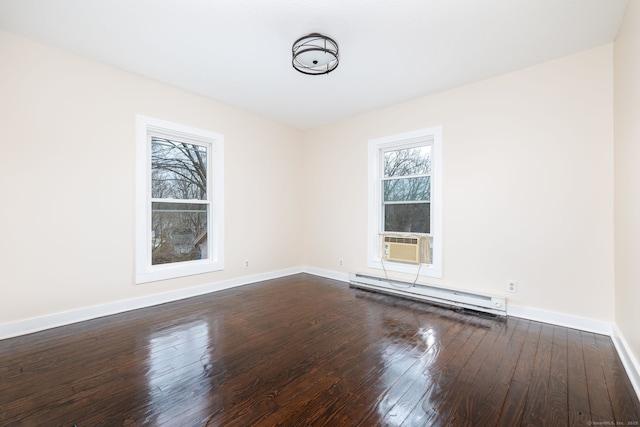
(405, 197)
(179, 200)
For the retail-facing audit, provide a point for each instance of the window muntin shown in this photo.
(179, 219)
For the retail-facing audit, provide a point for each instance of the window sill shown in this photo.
(172, 271)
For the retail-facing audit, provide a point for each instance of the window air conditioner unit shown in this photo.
(401, 249)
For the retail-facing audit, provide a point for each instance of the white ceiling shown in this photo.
(239, 51)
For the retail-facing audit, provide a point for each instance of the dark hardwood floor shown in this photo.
(307, 351)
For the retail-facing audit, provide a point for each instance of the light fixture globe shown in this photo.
(315, 54)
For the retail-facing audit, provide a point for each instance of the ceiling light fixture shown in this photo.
(315, 54)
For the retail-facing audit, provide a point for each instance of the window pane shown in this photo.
(178, 170)
(179, 232)
(407, 189)
(407, 217)
(408, 161)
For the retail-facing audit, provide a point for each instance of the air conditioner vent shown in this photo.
(406, 240)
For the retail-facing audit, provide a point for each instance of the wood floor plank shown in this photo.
(476, 402)
(515, 401)
(556, 406)
(305, 350)
(484, 401)
(534, 413)
(321, 362)
(618, 384)
(440, 375)
(437, 406)
(388, 369)
(578, 395)
(423, 376)
(599, 399)
(415, 360)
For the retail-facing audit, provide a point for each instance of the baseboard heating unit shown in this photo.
(477, 302)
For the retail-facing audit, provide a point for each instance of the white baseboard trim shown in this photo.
(41, 323)
(561, 319)
(630, 363)
(335, 275)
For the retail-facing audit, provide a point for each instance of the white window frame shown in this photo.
(431, 136)
(145, 271)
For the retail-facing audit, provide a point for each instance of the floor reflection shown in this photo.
(409, 352)
(179, 359)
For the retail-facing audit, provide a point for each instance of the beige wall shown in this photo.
(627, 177)
(67, 182)
(528, 184)
(528, 181)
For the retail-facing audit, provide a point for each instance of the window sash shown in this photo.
(189, 180)
(173, 243)
(382, 178)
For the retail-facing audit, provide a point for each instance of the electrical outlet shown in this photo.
(341, 262)
(246, 263)
(512, 286)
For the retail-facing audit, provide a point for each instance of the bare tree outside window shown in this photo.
(180, 209)
(406, 190)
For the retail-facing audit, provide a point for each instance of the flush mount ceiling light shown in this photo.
(315, 54)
